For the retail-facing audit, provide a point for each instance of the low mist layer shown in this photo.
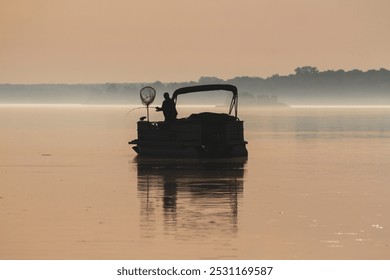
(306, 86)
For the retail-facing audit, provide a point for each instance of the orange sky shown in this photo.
(98, 41)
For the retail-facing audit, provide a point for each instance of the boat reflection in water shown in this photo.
(190, 199)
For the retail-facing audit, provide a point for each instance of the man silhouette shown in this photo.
(168, 108)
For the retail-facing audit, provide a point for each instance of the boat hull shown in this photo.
(211, 138)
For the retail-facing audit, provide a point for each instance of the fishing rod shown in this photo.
(136, 108)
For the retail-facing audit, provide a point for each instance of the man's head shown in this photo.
(166, 95)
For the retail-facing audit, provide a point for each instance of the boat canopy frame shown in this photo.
(211, 87)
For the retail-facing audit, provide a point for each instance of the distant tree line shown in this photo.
(306, 85)
(309, 85)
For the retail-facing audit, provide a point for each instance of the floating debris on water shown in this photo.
(362, 240)
(377, 226)
(346, 233)
(332, 243)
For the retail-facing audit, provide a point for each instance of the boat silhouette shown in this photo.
(201, 135)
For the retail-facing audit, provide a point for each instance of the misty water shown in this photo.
(315, 186)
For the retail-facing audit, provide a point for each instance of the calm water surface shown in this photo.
(316, 185)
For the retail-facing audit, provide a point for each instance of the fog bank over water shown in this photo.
(307, 86)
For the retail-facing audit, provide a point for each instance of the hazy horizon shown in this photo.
(307, 86)
(203, 79)
(85, 41)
